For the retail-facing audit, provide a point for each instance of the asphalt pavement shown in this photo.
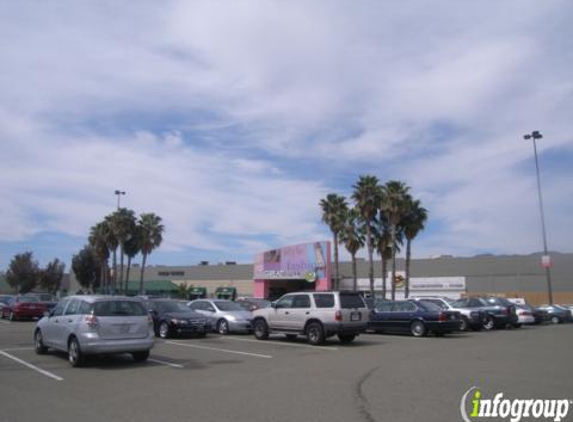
(237, 378)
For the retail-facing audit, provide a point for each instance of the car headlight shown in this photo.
(177, 321)
(232, 318)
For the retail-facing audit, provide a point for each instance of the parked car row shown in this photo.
(87, 325)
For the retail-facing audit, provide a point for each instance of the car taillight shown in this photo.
(443, 317)
(338, 316)
(92, 322)
(505, 311)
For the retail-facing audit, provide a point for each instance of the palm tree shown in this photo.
(122, 223)
(131, 248)
(383, 241)
(151, 232)
(112, 244)
(394, 207)
(334, 209)
(352, 235)
(413, 223)
(367, 195)
(98, 240)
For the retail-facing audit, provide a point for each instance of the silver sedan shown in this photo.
(226, 316)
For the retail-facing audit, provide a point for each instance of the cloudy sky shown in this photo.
(232, 119)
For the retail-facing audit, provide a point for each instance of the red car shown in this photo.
(23, 307)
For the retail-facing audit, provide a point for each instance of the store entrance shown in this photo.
(282, 287)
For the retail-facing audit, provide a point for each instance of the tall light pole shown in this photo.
(546, 260)
(119, 193)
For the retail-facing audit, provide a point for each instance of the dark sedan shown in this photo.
(413, 317)
(556, 314)
(498, 315)
(172, 317)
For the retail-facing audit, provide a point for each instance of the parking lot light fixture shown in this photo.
(119, 193)
(546, 260)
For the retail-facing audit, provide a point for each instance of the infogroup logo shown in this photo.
(513, 409)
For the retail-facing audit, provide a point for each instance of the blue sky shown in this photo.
(231, 120)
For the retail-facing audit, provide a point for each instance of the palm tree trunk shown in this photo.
(384, 275)
(121, 268)
(142, 272)
(393, 231)
(407, 269)
(354, 275)
(370, 258)
(336, 269)
(114, 277)
(127, 274)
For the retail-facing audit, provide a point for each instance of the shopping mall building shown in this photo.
(310, 266)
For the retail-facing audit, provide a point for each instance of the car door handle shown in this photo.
(286, 312)
(308, 313)
(70, 320)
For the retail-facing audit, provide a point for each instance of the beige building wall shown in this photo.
(244, 287)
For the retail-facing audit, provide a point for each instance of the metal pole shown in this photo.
(536, 135)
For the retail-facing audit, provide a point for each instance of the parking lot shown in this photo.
(376, 378)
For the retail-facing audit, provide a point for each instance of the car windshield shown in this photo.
(28, 299)
(228, 306)
(171, 306)
(118, 308)
(351, 301)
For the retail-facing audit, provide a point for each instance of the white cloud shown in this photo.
(209, 114)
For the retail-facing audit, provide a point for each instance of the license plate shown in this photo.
(355, 316)
(124, 328)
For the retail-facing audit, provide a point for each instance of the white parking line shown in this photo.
(17, 349)
(29, 365)
(5, 322)
(162, 362)
(236, 352)
(280, 343)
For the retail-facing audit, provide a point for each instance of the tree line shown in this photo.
(24, 274)
(381, 218)
(119, 233)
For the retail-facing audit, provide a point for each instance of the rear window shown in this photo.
(119, 308)
(351, 301)
(324, 300)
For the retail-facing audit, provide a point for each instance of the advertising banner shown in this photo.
(307, 261)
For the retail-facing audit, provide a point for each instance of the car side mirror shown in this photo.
(274, 305)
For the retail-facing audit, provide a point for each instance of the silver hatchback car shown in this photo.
(83, 325)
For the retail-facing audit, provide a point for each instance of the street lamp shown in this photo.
(546, 260)
(119, 193)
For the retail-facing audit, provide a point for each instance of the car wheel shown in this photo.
(554, 319)
(315, 333)
(74, 353)
(39, 343)
(291, 336)
(418, 329)
(261, 329)
(164, 330)
(464, 324)
(489, 323)
(346, 338)
(223, 326)
(140, 356)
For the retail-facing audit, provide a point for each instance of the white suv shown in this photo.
(316, 315)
